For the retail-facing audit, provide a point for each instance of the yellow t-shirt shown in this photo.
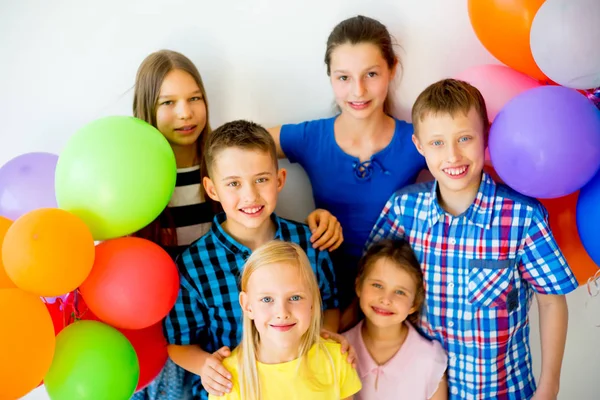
(286, 381)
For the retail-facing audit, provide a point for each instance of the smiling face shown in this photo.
(279, 301)
(360, 78)
(454, 149)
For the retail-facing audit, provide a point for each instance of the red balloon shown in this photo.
(133, 283)
(151, 348)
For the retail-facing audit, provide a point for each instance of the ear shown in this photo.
(418, 144)
(210, 189)
(393, 70)
(245, 304)
(357, 287)
(281, 177)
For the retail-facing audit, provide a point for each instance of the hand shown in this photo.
(346, 347)
(326, 230)
(215, 377)
(543, 393)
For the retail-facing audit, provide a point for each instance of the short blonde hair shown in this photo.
(450, 96)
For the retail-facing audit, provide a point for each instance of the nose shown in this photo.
(359, 88)
(250, 193)
(453, 153)
(283, 312)
(385, 299)
(184, 111)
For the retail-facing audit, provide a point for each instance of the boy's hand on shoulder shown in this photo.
(215, 377)
(326, 230)
(345, 345)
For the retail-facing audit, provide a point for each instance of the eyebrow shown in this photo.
(266, 173)
(172, 95)
(337, 71)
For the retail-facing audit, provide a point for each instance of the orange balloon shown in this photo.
(26, 342)
(503, 27)
(5, 281)
(564, 228)
(48, 252)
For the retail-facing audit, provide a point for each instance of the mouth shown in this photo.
(282, 328)
(381, 311)
(359, 105)
(252, 211)
(187, 129)
(456, 172)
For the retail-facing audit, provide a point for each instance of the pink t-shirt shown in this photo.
(414, 372)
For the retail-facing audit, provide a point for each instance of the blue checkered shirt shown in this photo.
(207, 311)
(480, 269)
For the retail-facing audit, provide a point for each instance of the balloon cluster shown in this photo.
(85, 316)
(544, 139)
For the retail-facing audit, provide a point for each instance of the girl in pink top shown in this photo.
(394, 360)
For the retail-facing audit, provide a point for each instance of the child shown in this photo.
(281, 354)
(362, 150)
(205, 321)
(484, 250)
(394, 361)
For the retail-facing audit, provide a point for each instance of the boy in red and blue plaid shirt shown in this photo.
(485, 250)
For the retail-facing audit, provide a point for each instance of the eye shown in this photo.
(261, 180)
(167, 103)
(296, 298)
(399, 292)
(377, 285)
(464, 139)
(233, 184)
(196, 98)
(372, 74)
(437, 143)
(343, 78)
(267, 299)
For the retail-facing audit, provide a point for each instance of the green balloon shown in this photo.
(117, 174)
(92, 361)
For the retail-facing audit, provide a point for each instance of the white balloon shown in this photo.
(565, 42)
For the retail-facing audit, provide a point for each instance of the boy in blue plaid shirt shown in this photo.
(484, 250)
(206, 321)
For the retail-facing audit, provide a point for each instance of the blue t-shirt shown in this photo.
(354, 192)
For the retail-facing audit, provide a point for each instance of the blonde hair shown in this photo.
(148, 81)
(278, 252)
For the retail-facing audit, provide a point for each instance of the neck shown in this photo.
(185, 156)
(384, 335)
(252, 238)
(274, 355)
(457, 202)
(365, 127)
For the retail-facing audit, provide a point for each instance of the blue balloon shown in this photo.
(588, 217)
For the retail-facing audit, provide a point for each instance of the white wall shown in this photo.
(65, 63)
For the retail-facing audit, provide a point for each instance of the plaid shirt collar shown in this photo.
(229, 243)
(479, 213)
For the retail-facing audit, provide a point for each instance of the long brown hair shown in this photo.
(361, 29)
(148, 81)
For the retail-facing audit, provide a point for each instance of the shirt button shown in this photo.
(452, 241)
(451, 285)
(450, 324)
(454, 390)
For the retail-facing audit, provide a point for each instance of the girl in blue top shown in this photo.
(358, 158)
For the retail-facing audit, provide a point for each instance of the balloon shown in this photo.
(134, 283)
(5, 282)
(562, 213)
(498, 84)
(92, 361)
(27, 183)
(26, 342)
(594, 96)
(545, 142)
(48, 252)
(117, 174)
(151, 348)
(588, 217)
(564, 42)
(503, 27)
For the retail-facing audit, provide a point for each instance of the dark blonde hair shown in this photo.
(361, 29)
(402, 255)
(450, 96)
(149, 79)
(242, 134)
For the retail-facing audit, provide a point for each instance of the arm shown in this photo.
(326, 230)
(553, 335)
(442, 391)
(331, 320)
(275, 132)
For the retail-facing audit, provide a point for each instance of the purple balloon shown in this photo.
(27, 183)
(545, 142)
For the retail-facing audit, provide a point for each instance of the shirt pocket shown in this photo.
(489, 282)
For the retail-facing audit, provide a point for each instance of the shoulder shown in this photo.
(353, 335)
(231, 362)
(198, 254)
(312, 126)
(430, 350)
(294, 231)
(417, 191)
(530, 205)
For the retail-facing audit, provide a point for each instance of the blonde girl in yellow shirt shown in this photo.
(282, 355)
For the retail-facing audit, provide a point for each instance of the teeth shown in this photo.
(251, 210)
(455, 171)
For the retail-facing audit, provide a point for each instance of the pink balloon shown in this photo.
(498, 84)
